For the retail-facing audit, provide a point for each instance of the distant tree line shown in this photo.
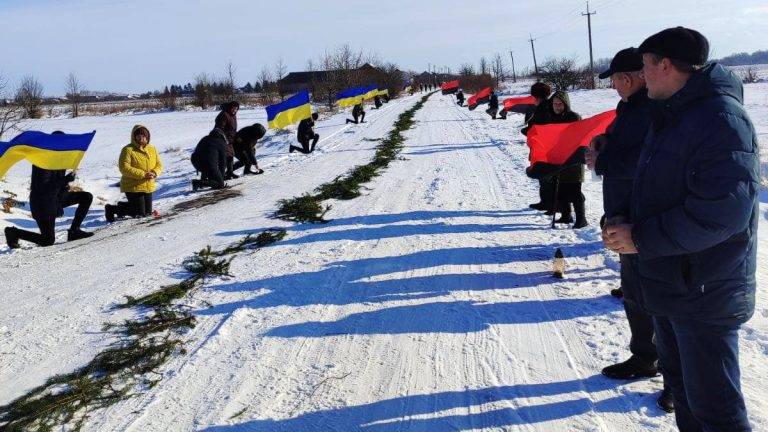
(741, 59)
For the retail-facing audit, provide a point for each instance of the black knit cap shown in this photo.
(678, 43)
(626, 60)
(541, 90)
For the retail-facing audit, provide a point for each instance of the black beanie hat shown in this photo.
(678, 43)
(540, 90)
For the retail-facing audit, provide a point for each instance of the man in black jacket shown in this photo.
(358, 114)
(493, 105)
(305, 134)
(460, 97)
(695, 209)
(49, 194)
(210, 159)
(614, 156)
(245, 148)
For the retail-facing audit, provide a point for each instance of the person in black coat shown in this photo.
(569, 179)
(49, 195)
(695, 208)
(210, 159)
(539, 114)
(358, 113)
(493, 105)
(226, 121)
(377, 102)
(306, 136)
(614, 155)
(245, 148)
(460, 97)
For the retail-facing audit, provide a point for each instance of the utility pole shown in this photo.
(514, 76)
(535, 65)
(591, 58)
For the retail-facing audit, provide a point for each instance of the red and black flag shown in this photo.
(557, 146)
(519, 104)
(478, 98)
(450, 87)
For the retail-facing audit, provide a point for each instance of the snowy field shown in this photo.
(425, 305)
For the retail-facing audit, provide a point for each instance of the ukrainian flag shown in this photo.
(350, 97)
(370, 92)
(292, 110)
(384, 92)
(51, 152)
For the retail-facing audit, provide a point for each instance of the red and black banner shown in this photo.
(450, 87)
(555, 146)
(519, 104)
(478, 98)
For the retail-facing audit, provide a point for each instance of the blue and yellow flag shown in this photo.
(370, 92)
(384, 92)
(350, 97)
(292, 110)
(51, 152)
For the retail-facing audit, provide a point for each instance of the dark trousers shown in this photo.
(306, 147)
(139, 204)
(47, 225)
(230, 166)
(361, 118)
(700, 362)
(492, 112)
(570, 194)
(641, 343)
(547, 193)
(246, 157)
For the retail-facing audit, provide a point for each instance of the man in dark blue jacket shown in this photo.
(614, 156)
(694, 227)
(210, 159)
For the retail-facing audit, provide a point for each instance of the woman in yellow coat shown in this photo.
(139, 165)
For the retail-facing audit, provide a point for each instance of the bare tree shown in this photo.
(497, 66)
(280, 70)
(10, 113)
(229, 81)
(483, 66)
(203, 90)
(74, 93)
(561, 72)
(265, 80)
(466, 69)
(30, 96)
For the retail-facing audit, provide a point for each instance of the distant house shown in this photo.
(296, 81)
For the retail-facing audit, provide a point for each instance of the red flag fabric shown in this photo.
(510, 103)
(555, 143)
(450, 87)
(479, 98)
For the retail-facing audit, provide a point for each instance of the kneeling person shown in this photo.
(210, 159)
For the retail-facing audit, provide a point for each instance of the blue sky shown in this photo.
(136, 45)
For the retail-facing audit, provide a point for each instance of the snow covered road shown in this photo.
(427, 304)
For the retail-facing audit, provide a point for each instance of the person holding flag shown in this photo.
(49, 195)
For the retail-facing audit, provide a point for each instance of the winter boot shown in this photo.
(11, 237)
(581, 218)
(566, 217)
(666, 401)
(109, 212)
(196, 184)
(77, 234)
(538, 206)
(617, 292)
(634, 368)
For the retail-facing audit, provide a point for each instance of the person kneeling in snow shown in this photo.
(210, 159)
(358, 112)
(305, 134)
(139, 165)
(245, 148)
(48, 196)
